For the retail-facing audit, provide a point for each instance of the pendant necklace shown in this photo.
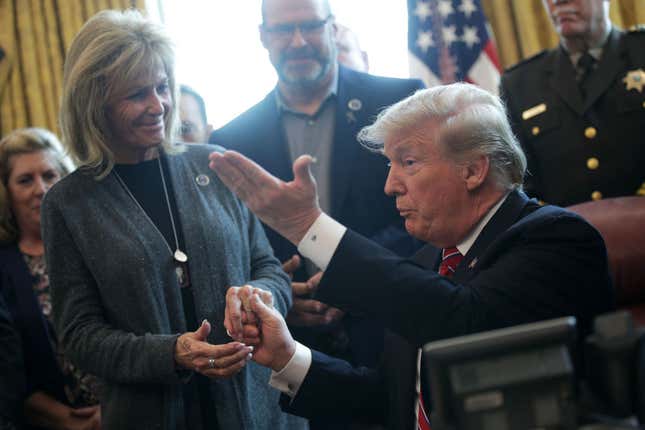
(179, 256)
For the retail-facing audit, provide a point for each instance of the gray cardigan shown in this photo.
(117, 305)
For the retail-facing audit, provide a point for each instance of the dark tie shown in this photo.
(585, 67)
(450, 259)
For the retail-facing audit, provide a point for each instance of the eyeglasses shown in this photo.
(308, 29)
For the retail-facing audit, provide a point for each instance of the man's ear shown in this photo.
(475, 172)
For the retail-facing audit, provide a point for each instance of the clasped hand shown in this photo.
(251, 318)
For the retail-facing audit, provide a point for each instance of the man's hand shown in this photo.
(239, 320)
(192, 351)
(307, 312)
(277, 346)
(290, 208)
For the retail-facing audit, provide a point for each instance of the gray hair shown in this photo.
(471, 122)
(111, 50)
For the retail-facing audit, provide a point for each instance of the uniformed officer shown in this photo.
(579, 109)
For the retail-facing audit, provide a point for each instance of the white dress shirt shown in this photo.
(319, 245)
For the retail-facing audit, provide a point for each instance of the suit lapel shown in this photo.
(610, 65)
(563, 80)
(506, 216)
(350, 115)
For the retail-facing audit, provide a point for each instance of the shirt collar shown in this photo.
(283, 106)
(595, 51)
(468, 242)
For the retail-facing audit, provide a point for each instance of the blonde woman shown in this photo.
(144, 242)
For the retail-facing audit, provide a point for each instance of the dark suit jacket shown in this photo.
(529, 263)
(609, 125)
(357, 175)
(40, 364)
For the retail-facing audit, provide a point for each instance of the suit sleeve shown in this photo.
(89, 340)
(333, 388)
(555, 268)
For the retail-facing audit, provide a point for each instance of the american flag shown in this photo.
(448, 42)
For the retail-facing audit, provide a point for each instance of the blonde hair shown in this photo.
(112, 49)
(471, 122)
(24, 141)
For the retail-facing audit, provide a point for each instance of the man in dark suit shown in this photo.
(317, 108)
(579, 109)
(456, 172)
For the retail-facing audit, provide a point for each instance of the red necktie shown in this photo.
(450, 259)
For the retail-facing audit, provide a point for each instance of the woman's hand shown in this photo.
(88, 418)
(42, 410)
(193, 352)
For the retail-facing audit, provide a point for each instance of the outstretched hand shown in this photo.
(290, 208)
(192, 351)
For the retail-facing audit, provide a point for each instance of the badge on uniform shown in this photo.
(635, 79)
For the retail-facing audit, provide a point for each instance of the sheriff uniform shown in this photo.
(583, 131)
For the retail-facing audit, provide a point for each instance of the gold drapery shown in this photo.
(522, 27)
(34, 35)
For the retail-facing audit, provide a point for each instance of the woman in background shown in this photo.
(58, 394)
(144, 242)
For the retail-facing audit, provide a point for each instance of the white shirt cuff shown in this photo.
(321, 240)
(289, 379)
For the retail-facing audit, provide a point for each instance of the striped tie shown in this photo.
(450, 259)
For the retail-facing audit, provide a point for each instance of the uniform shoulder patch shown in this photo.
(527, 60)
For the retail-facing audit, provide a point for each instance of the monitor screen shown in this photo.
(520, 377)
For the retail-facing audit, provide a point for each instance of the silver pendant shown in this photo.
(180, 256)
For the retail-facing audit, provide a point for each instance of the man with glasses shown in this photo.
(317, 108)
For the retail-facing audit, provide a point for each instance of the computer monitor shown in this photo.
(520, 377)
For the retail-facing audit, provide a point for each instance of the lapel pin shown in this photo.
(351, 118)
(472, 264)
(635, 79)
(202, 180)
(354, 105)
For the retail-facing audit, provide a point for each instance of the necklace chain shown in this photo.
(165, 191)
(179, 256)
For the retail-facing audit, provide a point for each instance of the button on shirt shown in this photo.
(319, 245)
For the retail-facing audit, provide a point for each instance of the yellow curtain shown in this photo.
(522, 27)
(34, 36)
